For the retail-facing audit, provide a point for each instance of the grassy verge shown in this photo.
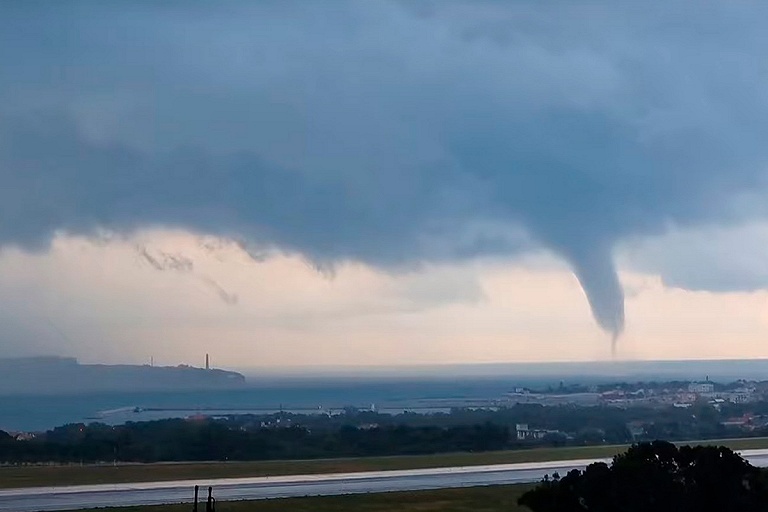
(499, 498)
(30, 476)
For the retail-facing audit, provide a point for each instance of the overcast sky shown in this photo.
(383, 182)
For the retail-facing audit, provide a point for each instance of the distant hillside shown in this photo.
(57, 375)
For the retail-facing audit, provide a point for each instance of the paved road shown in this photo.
(152, 493)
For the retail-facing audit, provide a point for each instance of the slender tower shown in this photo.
(207, 363)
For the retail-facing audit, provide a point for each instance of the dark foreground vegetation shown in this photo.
(657, 477)
(364, 433)
(182, 440)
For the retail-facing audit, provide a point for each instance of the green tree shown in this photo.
(657, 477)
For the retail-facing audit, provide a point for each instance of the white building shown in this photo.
(525, 433)
(701, 387)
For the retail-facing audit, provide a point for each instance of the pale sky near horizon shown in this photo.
(383, 182)
(105, 302)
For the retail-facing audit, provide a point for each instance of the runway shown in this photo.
(226, 489)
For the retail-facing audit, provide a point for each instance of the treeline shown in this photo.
(577, 425)
(182, 440)
(658, 477)
(364, 433)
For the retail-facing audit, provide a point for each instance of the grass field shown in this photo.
(30, 476)
(499, 498)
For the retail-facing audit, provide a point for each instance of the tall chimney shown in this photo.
(207, 363)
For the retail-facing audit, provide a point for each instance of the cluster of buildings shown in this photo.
(675, 394)
(697, 392)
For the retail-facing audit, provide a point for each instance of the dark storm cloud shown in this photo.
(387, 132)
